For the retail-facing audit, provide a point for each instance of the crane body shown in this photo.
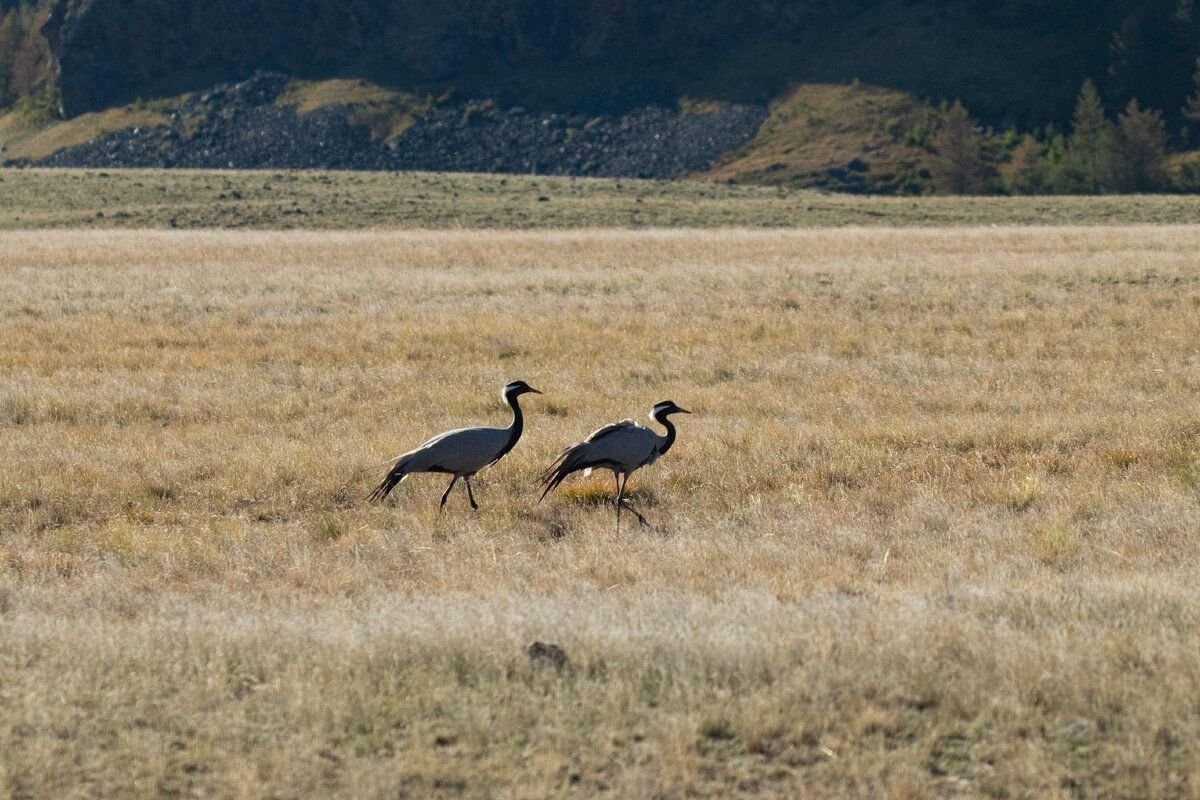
(461, 452)
(622, 447)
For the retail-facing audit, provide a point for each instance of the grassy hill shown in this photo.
(837, 137)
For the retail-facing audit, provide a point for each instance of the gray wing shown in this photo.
(459, 451)
(625, 447)
(607, 429)
(463, 451)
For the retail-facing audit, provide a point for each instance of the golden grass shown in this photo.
(386, 112)
(930, 532)
(818, 126)
(309, 96)
(36, 142)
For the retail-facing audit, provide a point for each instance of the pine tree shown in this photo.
(1089, 161)
(1191, 110)
(959, 166)
(1141, 162)
(1028, 170)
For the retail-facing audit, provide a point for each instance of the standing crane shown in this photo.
(623, 447)
(461, 452)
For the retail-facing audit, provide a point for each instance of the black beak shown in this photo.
(681, 410)
(529, 388)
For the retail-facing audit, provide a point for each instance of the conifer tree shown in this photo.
(1141, 150)
(1028, 170)
(1191, 110)
(1089, 160)
(959, 166)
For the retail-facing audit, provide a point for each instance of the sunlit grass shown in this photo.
(931, 529)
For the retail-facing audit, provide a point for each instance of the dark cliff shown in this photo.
(1011, 61)
(112, 51)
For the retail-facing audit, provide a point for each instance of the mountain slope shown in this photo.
(841, 137)
(586, 87)
(1010, 61)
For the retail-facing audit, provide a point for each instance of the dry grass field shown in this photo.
(932, 530)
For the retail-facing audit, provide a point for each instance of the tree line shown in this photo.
(1101, 154)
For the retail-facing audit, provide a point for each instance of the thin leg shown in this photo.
(641, 519)
(620, 499)
(470, 496)
(617, 498)
(446, 493)
(623, 503)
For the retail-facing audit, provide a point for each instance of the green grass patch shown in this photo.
(31, 133)
(387, 112)
(44, 198)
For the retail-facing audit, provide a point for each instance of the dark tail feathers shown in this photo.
(394, 476)
(557, 472)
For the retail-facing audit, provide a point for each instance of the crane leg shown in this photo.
(470, 495)
(446, 493)
(620, 501)
(617, 498)
(623, 503)
(636, 513)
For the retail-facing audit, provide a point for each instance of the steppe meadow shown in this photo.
(932, 530)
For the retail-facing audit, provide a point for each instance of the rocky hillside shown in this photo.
(251, 125)
(801, 92)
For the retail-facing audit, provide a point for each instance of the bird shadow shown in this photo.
(547, 526)
(599, 494)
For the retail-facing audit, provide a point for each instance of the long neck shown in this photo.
(670, 438)
(518, 418)
(514, 430)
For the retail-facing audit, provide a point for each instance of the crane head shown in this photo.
(518, 388)
(665, 409)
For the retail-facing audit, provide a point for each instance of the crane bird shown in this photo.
(461, 452)
(623, 447)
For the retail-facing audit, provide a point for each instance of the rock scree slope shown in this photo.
(241, 125)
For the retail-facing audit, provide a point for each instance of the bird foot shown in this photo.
(636, 513)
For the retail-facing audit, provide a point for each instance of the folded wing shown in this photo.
(459, 452)
(622, 446)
